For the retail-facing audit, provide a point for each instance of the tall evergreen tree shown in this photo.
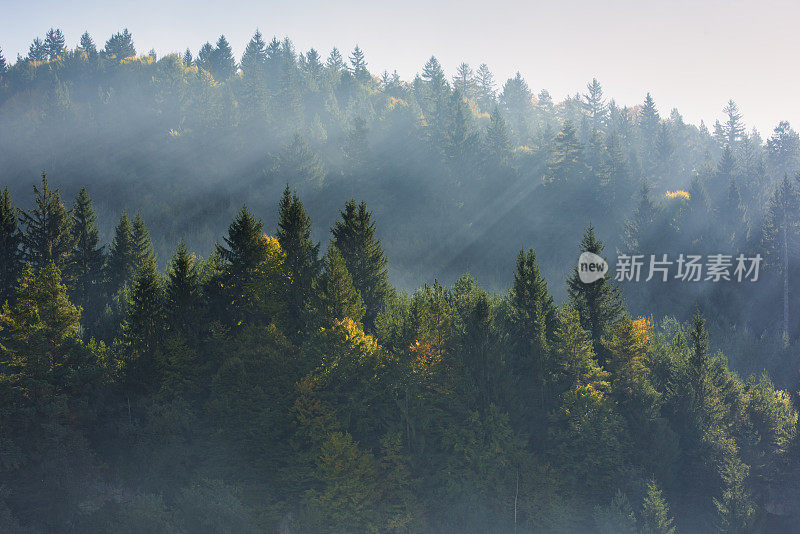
(656, 518)
(354, 238)
(11, 253)
(358, 65)
(255, 55)
(531, 318)
(37, 51)
(54, 43)
(183, 294)
(87, 257)
(599, 303)
(497, 141)
(88, 46)
(121, 263)
(302, 256)
(566, 162)
(141, 243)
(335, 297)
(119, 46)
(143, 329)
(222, 63)
(244, 251)
(48, 236)
(781, 227)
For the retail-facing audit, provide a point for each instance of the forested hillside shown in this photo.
(181, 350)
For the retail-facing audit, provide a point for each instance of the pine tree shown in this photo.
(354, 238)
(40, 329)
(434, 78)
(183, 297)
(655, 512)
(244, 252)
(595, 107)
(187, 58)
(639, 225)
(335, 62)
(335, 297)
(37, 51)
(531, 318)
(302, 256)
(617, 517)
(255, 55)
(649, 122)
(497, 141)
(598, 303)
(733, 129)
(87, 258)
(54, 43)
(141, 243)
(3, 65)
(781, 227)
(486, 87)
(222, 63)
(48, 226)
(464, 81)
(119, 46)
(205, 57)
(566, 162)
(88, 46)
(735, 507)
(299, 163)
(783, 150)
(358, 66)
(517, 102)
(11, 253)
(143, 328)
(121, 265)
(698, 359)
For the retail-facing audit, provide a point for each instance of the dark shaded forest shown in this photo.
(181, 350)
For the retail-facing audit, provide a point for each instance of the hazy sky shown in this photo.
(693, 55)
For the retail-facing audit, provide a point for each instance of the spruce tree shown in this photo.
(88, 46)
(3, 65)
(183, 295)
(54, 43)
(121, 264)
(141, 243)
(302, 256)
(599, 303)
(649, 121)
(255, 55)
(354, 238)
(40, 329)
(498, 143)
(335, 297)
(144, 327)
(48, 236)
(87, 258)
(119, 46)
(223, 65)
(780, 235)
(243, 253)
(566, 156)
(655, 514)
(11, 253)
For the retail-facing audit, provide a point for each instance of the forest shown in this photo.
(182, 350)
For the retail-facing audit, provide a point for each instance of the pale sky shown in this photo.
(693, 55)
